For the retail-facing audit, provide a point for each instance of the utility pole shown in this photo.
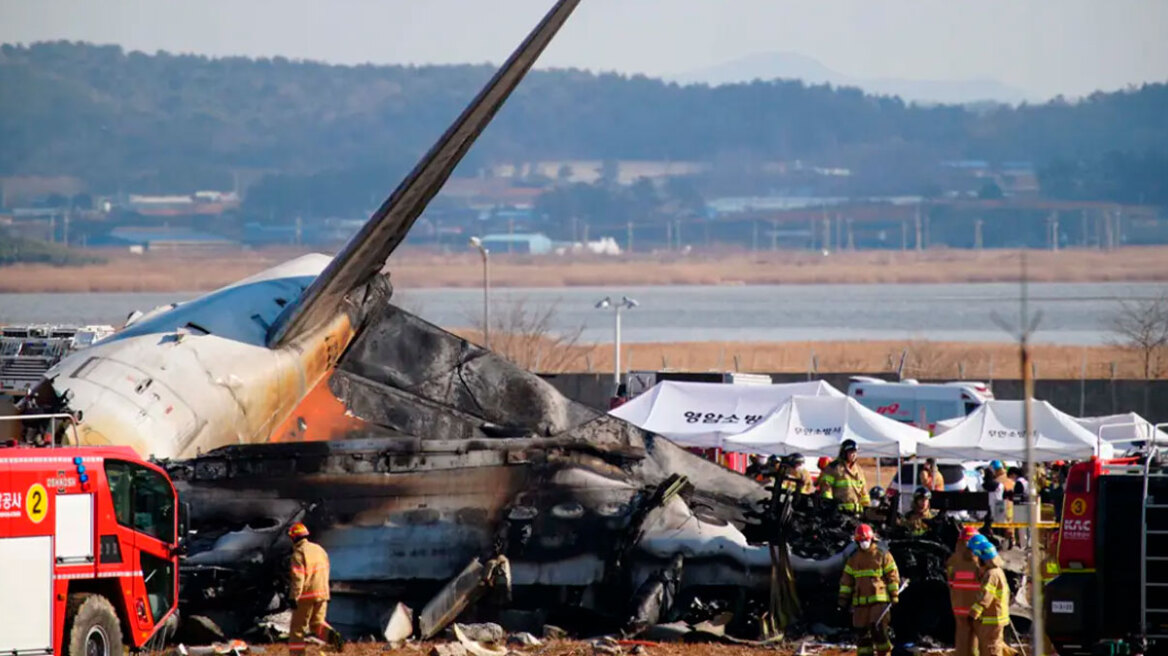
(604, 304)
(977, 237)
(917, 218)
(1027, 325)
(477, 243)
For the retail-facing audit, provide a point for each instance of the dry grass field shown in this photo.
(924, 359)
(159, 271)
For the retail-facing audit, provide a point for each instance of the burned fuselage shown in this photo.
(424, 451)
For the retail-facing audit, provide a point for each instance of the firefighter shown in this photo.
(310, 590)
(930, 476)
(870, 584)
(844, 481)
(1050, 563)
(795, 476)
(991, 612)
(962, 571)
(821, 482)
(917, 520)
(1050, 569)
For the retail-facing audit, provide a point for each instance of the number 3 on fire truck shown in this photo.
(36, 503)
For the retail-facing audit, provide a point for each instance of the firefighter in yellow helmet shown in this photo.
(964, 587)
(991, 612)
(310, 591)
(870, 584)
(843, 480)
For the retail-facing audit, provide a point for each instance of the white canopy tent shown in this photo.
(1123, 428)
(995, 431)
(702, 414)
(945, 425)
(815, 426)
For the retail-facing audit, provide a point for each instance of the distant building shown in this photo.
(590, 171)
(533, 243)
(163, 239)
(200, 203)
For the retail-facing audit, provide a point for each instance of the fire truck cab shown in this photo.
(1111, 594)
(88, 550)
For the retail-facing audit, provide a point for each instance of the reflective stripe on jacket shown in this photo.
(798, 480)
(964, 586)
(870, 577)
(846, 485)
(917, 522)
(1050, 569)
(310, 571)
(993, 604)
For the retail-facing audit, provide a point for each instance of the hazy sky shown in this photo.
(1044, 47)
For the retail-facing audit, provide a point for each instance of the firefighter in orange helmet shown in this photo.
(964, 587)
(310, 591)
(870, 584)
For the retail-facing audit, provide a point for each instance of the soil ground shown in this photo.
(579, 648)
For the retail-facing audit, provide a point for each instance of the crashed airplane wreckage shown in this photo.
(302, 393)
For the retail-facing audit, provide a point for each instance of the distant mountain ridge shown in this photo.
(794, 66)
(164, 123)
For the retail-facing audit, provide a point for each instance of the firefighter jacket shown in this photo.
(993, 602)
(870, 577)
(798, 480)
(846, 485)
(310, 571)
(964, 587)
(917, 522)
(931, 481)
(1050, 568)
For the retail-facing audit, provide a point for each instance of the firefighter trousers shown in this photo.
(990, 639)
(965, 640)
(308, 619)
(872, 636)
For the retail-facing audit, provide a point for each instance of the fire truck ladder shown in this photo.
(1153, 546)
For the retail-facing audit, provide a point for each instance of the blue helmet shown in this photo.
(981, 547)
(997, 464)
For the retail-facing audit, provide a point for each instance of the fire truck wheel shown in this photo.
(92, 627)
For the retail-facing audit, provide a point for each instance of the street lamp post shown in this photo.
(606, 303)
(475, 242)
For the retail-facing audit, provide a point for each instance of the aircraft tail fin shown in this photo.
(365, 254)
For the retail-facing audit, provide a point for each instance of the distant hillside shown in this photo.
(793, 66)
(165, 122)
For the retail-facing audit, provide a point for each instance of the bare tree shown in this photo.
(526, 335)
(1142, 327)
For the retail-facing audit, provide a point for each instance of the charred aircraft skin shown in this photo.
(437, 452)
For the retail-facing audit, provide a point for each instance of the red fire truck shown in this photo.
(88, 550)
(1111, 596)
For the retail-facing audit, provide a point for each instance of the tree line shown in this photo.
(336, 135)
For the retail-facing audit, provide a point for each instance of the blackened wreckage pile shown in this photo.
(439, 454)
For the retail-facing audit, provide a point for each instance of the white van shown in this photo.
(920, 404)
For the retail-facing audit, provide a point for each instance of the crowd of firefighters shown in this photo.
(870, 584)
